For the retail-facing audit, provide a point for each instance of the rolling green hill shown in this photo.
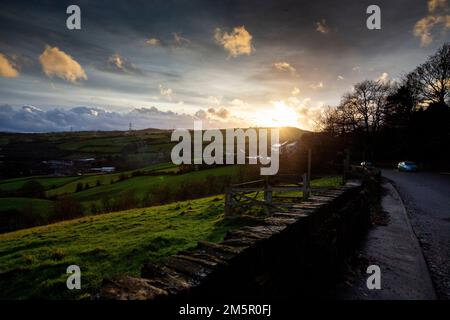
(155, 184)
(22, 154)
(33, 262)
(46, 182)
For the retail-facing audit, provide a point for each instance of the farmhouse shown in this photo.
(104, 169)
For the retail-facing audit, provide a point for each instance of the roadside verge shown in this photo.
(396, 250)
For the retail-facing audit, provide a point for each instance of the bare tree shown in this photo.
(433, 77)
(363, 109)
(403, 102)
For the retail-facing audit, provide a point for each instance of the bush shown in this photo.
(79, 187)
(162, 194)
(127, 200)
(67, 208)
(32, 189)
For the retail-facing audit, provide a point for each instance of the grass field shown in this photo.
(143, 184)
(33, 262)
(64, 185)
(100, 188)
(39, 206)
(46, 182)
(105, 180)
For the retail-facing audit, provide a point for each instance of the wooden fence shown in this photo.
(247, 194)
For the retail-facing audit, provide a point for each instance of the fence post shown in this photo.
(305, 186)
(346, 165)
(228, 203)
(308, 177)
(267, 191)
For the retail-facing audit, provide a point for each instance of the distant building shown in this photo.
(60, 167)
(104, 169)
(86, 160)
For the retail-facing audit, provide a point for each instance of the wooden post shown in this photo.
(267, 192)
(346, 165)
(308, 177)
(305, 186)
(228, 203)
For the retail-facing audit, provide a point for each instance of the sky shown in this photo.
(232, 63)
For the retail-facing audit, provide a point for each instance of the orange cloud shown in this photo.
(438, 19)
(238, 42)
(153, 42)
(322, 27)
(58, 63)
(7, 69)
(284, 66)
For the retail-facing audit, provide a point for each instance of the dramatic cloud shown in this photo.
(318, 85)
(307, 111)
(218, 116)
(179, 41)
(238, 42)
(322, 27)
(222, 64)
(215, 99)
(201, 114)
(284, 66)
(116, 63)
(295, 91)
(32, 119)
(436, 4)
(153, 42)
(384, 77)
(239, 103)
(7, 69)
(222, 112)
(438, 20)
(165, 92)
(58, 63)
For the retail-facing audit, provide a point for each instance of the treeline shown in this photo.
(163, 194)
(408, 119)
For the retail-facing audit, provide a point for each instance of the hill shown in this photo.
(33, 261)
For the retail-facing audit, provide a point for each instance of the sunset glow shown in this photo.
(279, 115)
(166, 66)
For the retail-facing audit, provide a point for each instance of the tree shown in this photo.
(403, 102)
(79, 187)
(67, 207)
(32, 189)
(433, 77)
(362, 110)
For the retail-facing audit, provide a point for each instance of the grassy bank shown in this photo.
(33, 261)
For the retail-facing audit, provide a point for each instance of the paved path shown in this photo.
(396, 250)
(427, 200)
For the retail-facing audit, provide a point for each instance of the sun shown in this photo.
(280, 115)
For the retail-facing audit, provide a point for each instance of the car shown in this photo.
(407, 166)
(366, 164)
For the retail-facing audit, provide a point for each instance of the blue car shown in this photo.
(407, 166)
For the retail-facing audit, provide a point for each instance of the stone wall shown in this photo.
(294, 254)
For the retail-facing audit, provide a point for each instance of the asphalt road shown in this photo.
(427, 199)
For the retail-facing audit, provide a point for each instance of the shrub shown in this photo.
(32, 189)
(79, 187)
(67, 207)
